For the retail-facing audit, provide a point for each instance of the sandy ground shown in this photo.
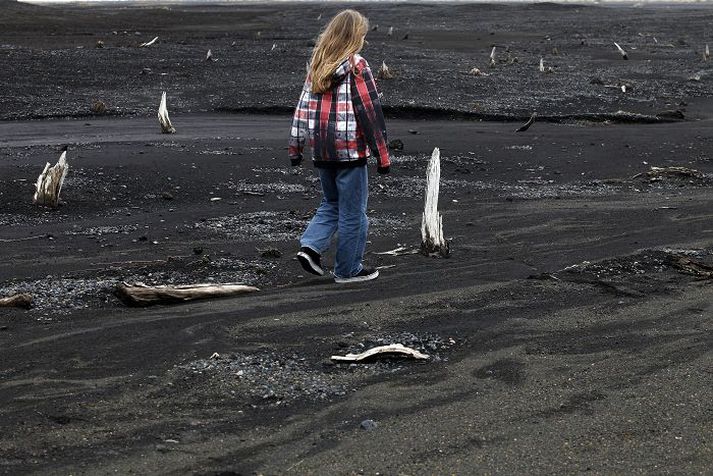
(565, 333)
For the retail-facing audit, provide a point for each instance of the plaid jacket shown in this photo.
(344, 125)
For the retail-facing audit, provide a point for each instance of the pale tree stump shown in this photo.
(163, 119)
(49, 183)
(432, 241)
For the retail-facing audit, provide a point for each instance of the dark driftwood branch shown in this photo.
(527, 125)
(140, 294)
(18, 300)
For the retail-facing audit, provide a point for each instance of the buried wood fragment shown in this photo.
(542, 64)
(689, 266)
(527, 125)
(385, 350)
(476, 72)
(209, 56)
(17, 300)
(390, 31)
(400, 251)
(163, 119)
(706, 53)
(148, 43)
(672, 171)
(492, 57)
(140, 294)
(621, 50)
(384, 72)
(49, 183)
(432, 241)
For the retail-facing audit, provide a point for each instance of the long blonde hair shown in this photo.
(342, 37)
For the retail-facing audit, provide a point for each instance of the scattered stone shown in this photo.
(167, 196)
(98, 107)
(396, 144)
(270, 253)
(368, 425)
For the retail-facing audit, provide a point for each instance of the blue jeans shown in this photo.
(342, 211)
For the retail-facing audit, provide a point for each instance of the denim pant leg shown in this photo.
(353, 187)
(320, 230)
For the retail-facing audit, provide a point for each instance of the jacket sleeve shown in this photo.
(367, 107)
(298, 132)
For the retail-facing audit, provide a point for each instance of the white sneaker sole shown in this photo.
(357, 279)
(308, 264)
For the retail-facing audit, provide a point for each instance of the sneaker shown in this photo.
(366, 274)
(310, 261)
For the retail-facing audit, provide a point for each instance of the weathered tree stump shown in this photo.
(432, 241)
(49, 183)
(163, 119)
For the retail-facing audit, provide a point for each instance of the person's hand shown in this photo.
(383, 170)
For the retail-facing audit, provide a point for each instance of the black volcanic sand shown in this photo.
(564, 333)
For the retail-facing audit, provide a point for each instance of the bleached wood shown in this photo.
(707, 53)
(17, 300)
(384, 72)
(148, 43)
(621, 50)
(432, 241)
(397, 349)
(542, 65)
(163, 119)
(390, 32)
(140, 294)
(49, 183)
(492, 57)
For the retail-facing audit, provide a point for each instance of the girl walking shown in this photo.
(340, 112)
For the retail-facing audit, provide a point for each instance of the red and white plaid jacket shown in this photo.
(345, 125)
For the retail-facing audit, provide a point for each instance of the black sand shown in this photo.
(565, 336)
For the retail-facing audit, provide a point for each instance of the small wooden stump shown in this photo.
(384, 72)
(18, 300)
(140, 294)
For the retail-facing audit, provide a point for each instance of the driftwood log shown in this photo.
(398, 350)
(148, 43)
(672, 171)
(17, 300)
(163, 119)
(432, 241)
(49, 183)
(140, 294)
